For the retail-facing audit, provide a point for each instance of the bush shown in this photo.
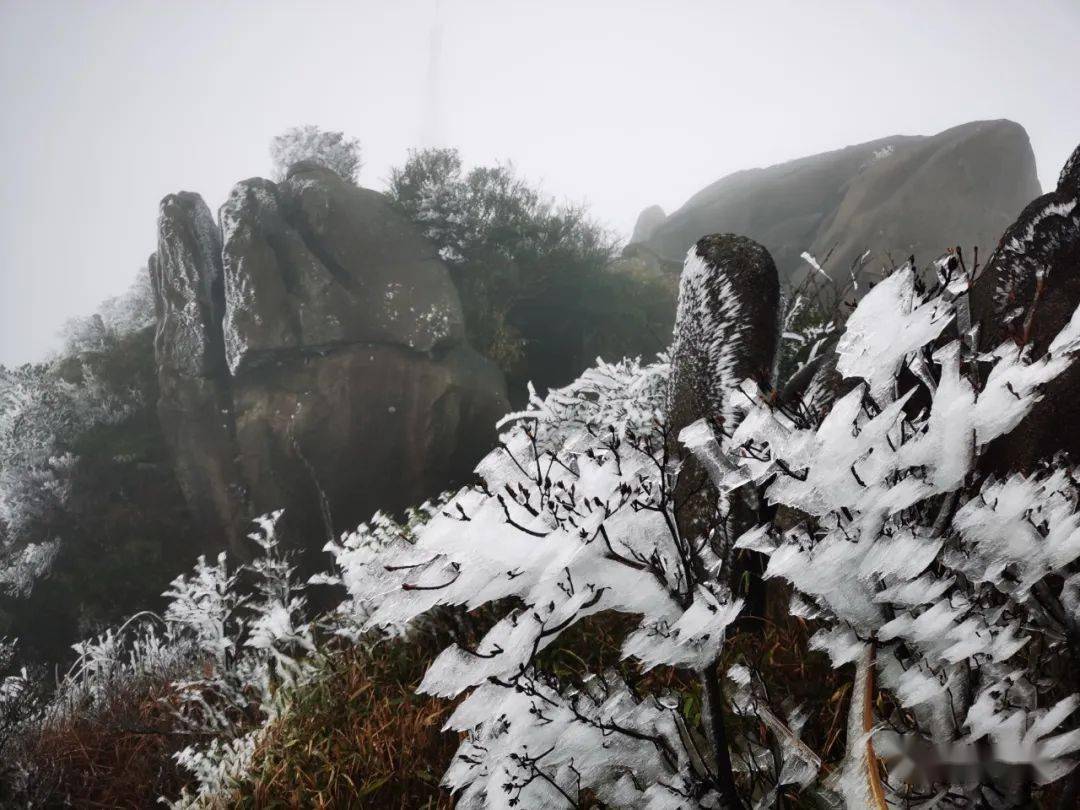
(953, 594)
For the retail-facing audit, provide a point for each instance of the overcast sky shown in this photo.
(106, 106)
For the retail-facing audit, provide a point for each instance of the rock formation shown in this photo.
(726, 331)
(1027, 292)
(312, 357)
(316, 261)
(647, 222)
(195, 404)
(726, 327)
(900, 195)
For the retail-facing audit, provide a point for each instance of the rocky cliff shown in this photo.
(195, 402)
(895, 196)
(1027, 293)
(311, 356)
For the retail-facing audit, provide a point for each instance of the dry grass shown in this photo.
(119, 758)
(357, 736)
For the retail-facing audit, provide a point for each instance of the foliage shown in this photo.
(87, 465)
(913, 565)
(41, 416)
(121, 756)
(592, 643)
(539, 298)
(251, 649)
(45, 409)
(217, 667)
(117, 317)
(955, 588)
(20, 695)
(574, 517)
(327, 148)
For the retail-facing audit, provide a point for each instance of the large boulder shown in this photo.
(195, 404)
(894, 196)
(334, 437)
(316, 261)
(186, 277)
(1026, 294)
(332, 340)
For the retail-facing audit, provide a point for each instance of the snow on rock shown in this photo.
(195, 403)
(1026, 295)
(186, 276)
(725, 327)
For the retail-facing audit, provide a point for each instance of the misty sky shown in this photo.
(106, 106)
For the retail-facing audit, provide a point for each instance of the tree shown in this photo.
(46, 410)
(116, 318)
(539, 299)
(330, 149)
(41, 416)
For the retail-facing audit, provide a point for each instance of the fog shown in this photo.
(108, 106)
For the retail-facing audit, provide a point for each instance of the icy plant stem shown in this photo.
(860, 723)
(712, 719)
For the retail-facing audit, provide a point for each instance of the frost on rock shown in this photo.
(883, 152)
(186, 275)
(254, 317)
(725, 327)
(1043, 238)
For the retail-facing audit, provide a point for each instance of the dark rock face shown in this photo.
(187, 281)
(1027, 293)
(334, 437)
(332, 368)
(901, 195)
(195, 404)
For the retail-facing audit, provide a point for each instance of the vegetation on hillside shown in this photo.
(920, 613)
(92, 521)
(539, 295)
(569, 630)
